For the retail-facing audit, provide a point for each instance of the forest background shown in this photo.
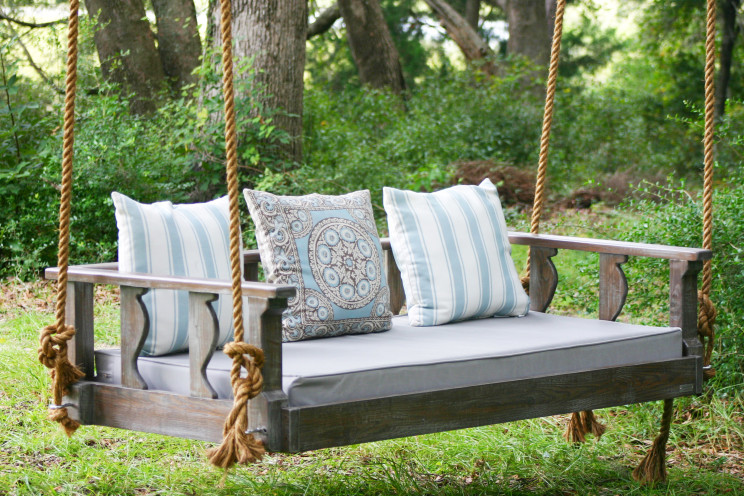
(360, 94)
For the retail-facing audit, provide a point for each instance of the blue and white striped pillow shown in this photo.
(454, 255)
(180, 240)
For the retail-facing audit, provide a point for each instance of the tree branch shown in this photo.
(470, 43)
(31, 24)
(31, 62)
(324, 21)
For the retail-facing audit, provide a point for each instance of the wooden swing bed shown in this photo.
(198, 412)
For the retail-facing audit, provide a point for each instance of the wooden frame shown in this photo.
(292, 429)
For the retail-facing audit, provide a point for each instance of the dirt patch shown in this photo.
(18, 297)
(516, 186)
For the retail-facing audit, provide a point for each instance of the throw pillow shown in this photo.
(454, 254)
(177, 240)
(328, 248)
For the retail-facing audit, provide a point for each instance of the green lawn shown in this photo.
(529, 457)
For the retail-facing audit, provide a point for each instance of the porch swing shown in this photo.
(299, 397)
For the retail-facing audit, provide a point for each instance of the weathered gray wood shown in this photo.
(613, 286)
(683, 297)
(79, 314)
(251, 256)
(543, 277)
(437, 411)
(135, 324)
(264, 329)
(610, 246)
(250, 271)
(159, 412)
(683, 310)
(82, 273)
(395, 283)
(203, 336)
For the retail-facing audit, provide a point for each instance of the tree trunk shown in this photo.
(471, 44)
(179, 44)
(273, 32)
(472, 13)
(729, 9)
(126, 50)
(372, 45)
(529, 33)
(550, 8)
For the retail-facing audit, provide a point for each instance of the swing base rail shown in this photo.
(340, 424)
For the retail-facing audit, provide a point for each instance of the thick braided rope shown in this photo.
(542, 167)
(706, 309)
(237, 445)
(652, 468)
(53, 339)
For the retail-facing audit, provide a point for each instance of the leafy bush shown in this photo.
(366, 139)
(176, 154)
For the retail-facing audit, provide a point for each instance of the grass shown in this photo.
(706, 453)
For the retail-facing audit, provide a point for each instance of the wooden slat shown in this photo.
(609, 246)
(81, 273)
(79, 314)
(135, 325)
(159, 412)
(543, 277)
(437, 411)
(203, 336)
(613, 286)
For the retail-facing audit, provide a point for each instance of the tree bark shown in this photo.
(179, 44)
(273, 32)
(472, 13)
(324, 21)
(372, 45)
(126, 50)
(529, 33)
(729, 10)
(462, 33)
(550, 8)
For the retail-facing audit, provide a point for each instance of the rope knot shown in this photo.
(237, 446)
(706, 315)
(706, 320)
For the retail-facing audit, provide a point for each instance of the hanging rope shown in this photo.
(542, 167)
(653, 467)
(585, 422)
(53, 339)
(237, 445)
(706, 310)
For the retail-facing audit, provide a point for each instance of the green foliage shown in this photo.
(366, 139)
(677, 220)
(176, 154)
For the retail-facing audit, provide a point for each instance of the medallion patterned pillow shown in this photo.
(328, 248)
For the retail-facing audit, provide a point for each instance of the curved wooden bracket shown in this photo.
(203, 335)
(135, 325)
(543, 277)
(613, 285)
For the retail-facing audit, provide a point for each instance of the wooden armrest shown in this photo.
(110, 275)
(610, 246)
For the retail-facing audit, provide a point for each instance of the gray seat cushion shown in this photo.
(410, 359)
